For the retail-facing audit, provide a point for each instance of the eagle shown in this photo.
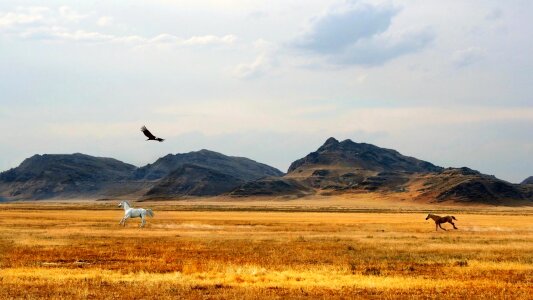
(150, 136)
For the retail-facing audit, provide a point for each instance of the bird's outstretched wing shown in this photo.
(147, 133)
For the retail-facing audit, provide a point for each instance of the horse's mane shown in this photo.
(127, 202)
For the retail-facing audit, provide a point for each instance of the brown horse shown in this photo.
(439, 220)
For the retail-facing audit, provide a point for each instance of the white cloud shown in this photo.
(209, 40)
(63, 34)
(59, 33)
(466, 57)
(200, 40)
(361, 78)
(264, 62)
(70, 14)
(259, 67)
(41, 23)
(494, 14)
(104, 21)
(22, 16)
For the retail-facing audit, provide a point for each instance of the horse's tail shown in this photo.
(150, 212)
(454, 218)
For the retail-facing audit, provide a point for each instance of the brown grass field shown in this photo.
(250, 250)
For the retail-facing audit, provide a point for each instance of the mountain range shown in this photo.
(349, 167)
(199, 173)
(335, 168)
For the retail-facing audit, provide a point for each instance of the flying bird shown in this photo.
(150, 136)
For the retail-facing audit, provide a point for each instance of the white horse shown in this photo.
(130, 212)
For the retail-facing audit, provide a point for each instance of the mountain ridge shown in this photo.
(49, 175)
(362, 155)
(240, 167)
(80, 175)
(348, 167)
(335, 168)
(193, 180)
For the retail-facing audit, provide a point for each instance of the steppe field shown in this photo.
(264, 249)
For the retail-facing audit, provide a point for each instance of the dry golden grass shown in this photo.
(54, 250)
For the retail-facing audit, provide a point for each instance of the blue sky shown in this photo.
(445, 81)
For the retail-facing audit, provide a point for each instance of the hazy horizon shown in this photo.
(446, 82)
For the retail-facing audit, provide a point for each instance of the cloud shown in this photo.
(70, 14)
(209, 40)
(41, 23)
(494, 14)
(22, 17)
(360, 34)
(59, 33)
(466, 57)
(263, 63)
(259, 67)
(258, 14)
(63, 34)
(104, 21)
(337, 30)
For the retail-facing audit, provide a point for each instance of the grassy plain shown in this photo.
(263, 250)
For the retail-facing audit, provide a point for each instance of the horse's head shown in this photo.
(428, 216)
(124, 204)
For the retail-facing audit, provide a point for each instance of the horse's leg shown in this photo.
(436, 226)
(441, 227)
(125, 219)
(453, 225)
(142, 221)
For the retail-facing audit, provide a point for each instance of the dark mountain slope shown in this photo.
(272, 186)
(361, 156)
(528, 180)
(51, 175)
(193, 180)
(82, 176)
(239, 167)
(469, 186)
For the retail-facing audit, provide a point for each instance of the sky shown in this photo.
(450, 82)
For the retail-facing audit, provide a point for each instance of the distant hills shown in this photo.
(528, 180)
(349, 167)
(335, 168)
(193, 180)
(200, 173)
(361, 156)
(238, 167)
(67, 175)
